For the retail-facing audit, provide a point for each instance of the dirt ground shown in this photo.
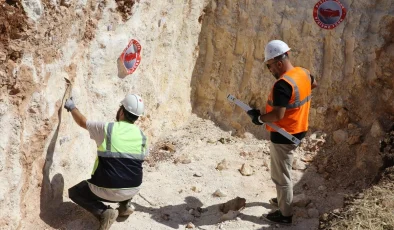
(183, 173)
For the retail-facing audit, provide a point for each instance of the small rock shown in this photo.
(246, 170)
(360, 196)
(307, 158)
(325, 217)
(161, 22)
(234, 204)
(3, 56)
(33, 9)
(336, 211)
(266, 163)
(182, 159)
(66, 3)
(351, 126)
(229, 216)
(186, 161)
(196, 188)
(313, 213)
(342, 116)
(299, 165)
(340, 136)
(219, 193)
(2, 74)
(300, 200)
(337, 103)
(198, 174)
(321, 110)
(376, 129)
(311, 205)
(354, 139)
(190, 225)
(321, 188)
(211, 141)
(222, 165)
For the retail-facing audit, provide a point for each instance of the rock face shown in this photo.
(348, 69)
(354, 75)
(43, 152)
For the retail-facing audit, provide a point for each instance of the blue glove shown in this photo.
(254, 114)
(69, 105)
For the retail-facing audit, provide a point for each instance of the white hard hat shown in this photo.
(275, 48)
(133, 104)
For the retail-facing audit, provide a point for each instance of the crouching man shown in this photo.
(117, 172)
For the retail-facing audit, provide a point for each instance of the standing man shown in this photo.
(288, 107)
(117, 172)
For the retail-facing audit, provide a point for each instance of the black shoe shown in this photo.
(274, 202)
(277, 218)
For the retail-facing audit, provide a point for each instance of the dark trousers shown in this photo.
(84, 197)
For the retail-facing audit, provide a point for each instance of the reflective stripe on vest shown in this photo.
(295, 119)
(139, 153)
(132, 155)
(297, 102)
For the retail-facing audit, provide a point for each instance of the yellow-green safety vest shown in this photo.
(120, 156)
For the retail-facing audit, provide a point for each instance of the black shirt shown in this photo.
(281, 96)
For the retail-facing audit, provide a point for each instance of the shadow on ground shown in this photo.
(176, 216)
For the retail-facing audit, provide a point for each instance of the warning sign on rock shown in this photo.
(328, 14)
(131, 56)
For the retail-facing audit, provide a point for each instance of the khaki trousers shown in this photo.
(281, 165)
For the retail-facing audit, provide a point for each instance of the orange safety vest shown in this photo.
(296, 116)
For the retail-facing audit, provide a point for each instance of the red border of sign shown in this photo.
(138, 61)
(328, 26)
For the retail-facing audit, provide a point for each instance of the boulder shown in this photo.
(340, 136)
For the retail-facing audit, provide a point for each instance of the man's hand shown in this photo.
(69, 105)
(255, 114)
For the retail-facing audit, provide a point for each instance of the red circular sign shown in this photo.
(328, 14)
(131, 56)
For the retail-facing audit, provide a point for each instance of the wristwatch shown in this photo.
(258, 118)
